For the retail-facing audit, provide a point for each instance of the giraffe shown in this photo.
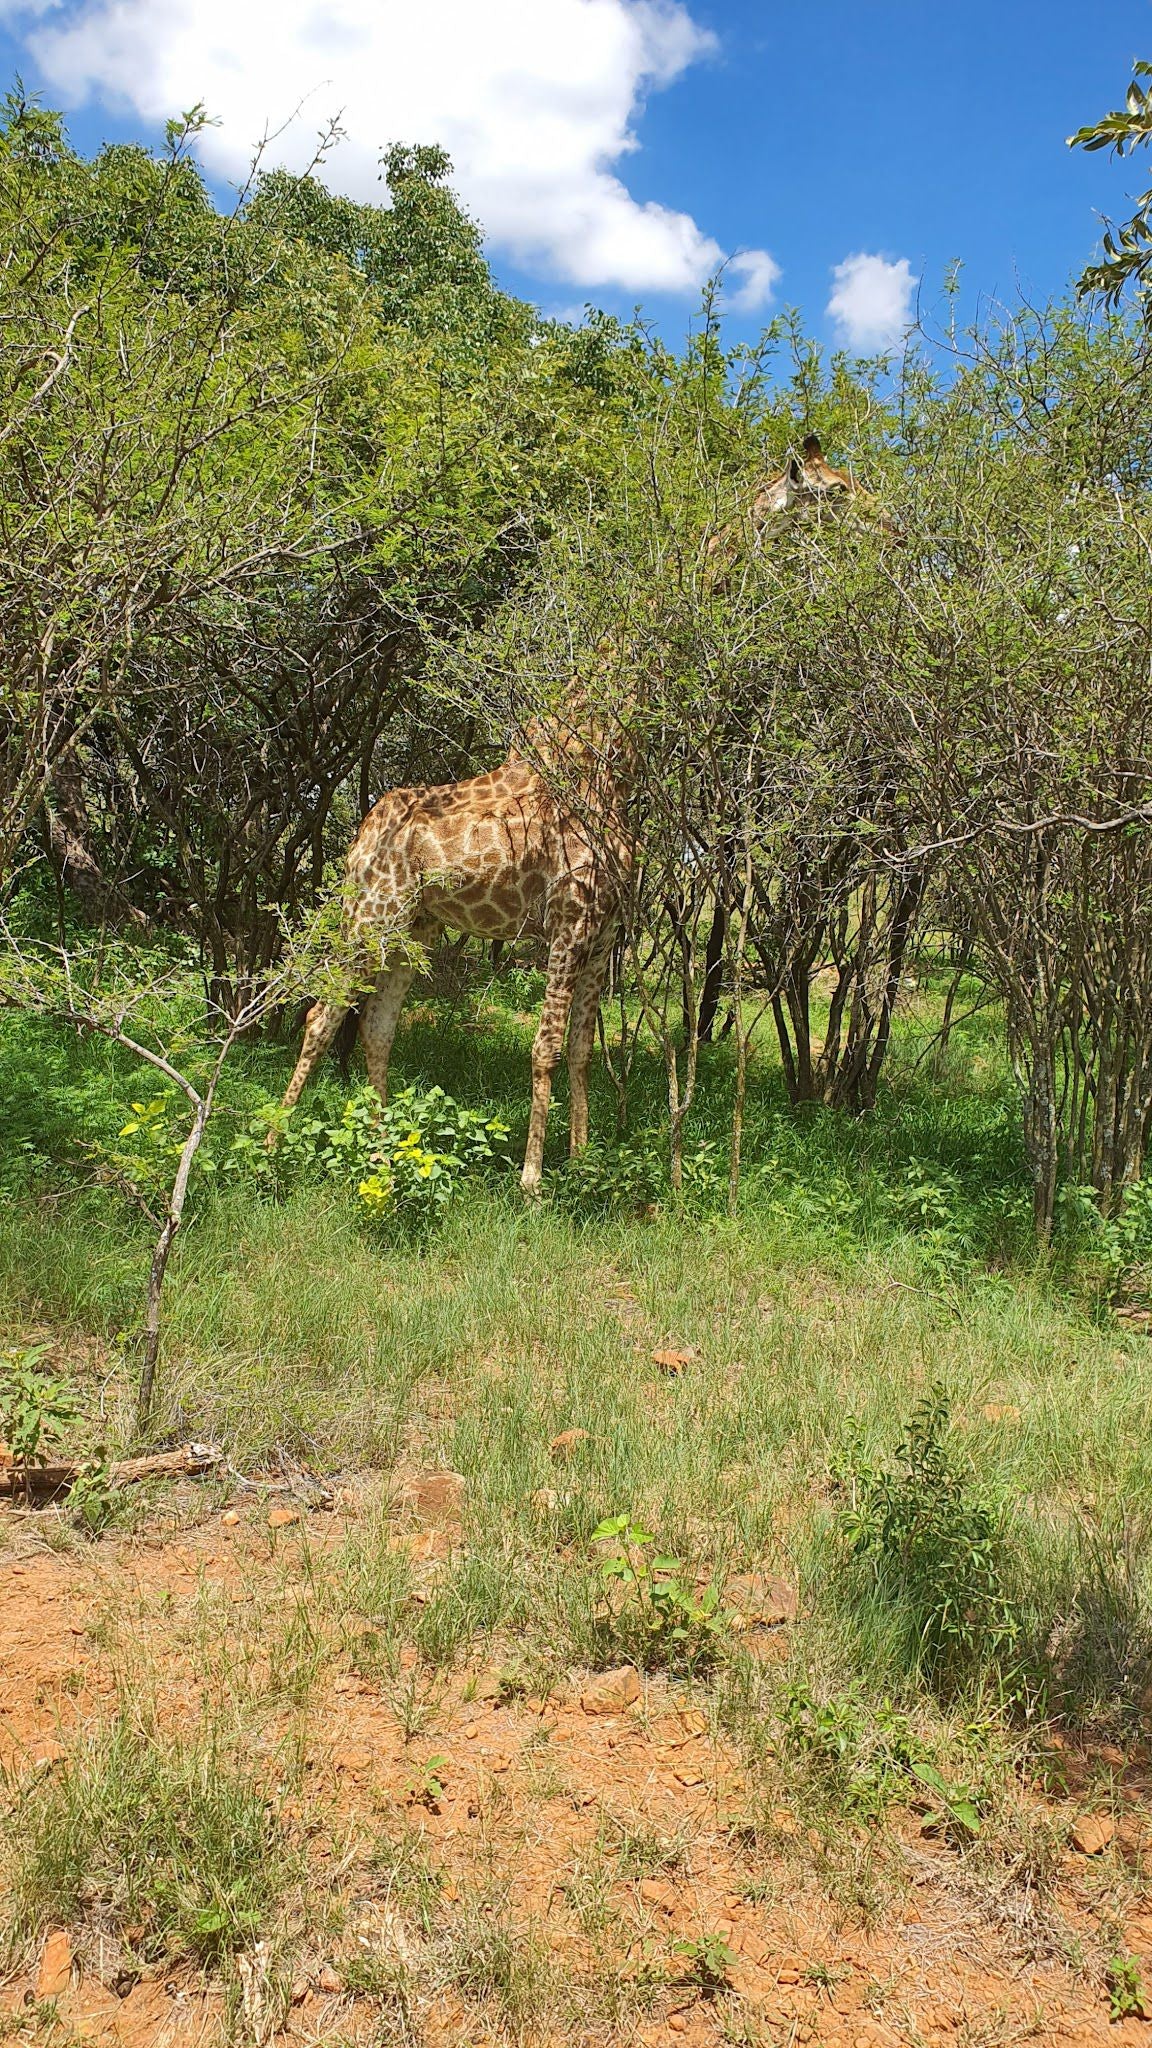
(506, 854)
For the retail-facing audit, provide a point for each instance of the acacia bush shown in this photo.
(925, 717)
(251, 466)
(1019, 688)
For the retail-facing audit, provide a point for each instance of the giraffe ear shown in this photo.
(812, 450)
(795, 473)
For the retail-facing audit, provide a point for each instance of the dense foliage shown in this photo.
(295, 504)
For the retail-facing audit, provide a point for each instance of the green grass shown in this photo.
(958, 1592)
(165, 1842)
(868, 1261)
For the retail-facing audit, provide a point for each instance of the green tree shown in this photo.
(1127, 258)
(279, 457)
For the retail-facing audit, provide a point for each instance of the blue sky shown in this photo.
(617, 149)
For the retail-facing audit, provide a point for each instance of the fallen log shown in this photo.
(40, 1482)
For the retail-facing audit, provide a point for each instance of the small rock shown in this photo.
(612, 1692)
(299, 1991)
(229, 1519)
(677, 2023)
(565, 1446)
(328, 1979)
(788, 1973)
(660, 1895)
(437, 1496)
(763, 1645)
(282, 1518)
(55, 1973)
(760, 1600)
(1092, 1833)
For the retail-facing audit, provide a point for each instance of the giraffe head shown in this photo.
(809, 483)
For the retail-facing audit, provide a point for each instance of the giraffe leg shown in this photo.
(378, 1020)
(547, 1047)
(582, 1037)
(320, 1028)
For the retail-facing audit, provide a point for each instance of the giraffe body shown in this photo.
(501, 857)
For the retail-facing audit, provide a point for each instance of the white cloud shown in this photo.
(760, 273)
(871, 301)
(535, 100)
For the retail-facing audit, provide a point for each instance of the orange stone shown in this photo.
(565, 1446)
(55, 1972)
(1092, 1833)
(612, 1692)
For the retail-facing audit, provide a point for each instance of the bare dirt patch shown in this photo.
(493, 1865)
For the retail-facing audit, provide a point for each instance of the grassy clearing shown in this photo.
(166, 1843)
(870, 1264)
(886, 1401)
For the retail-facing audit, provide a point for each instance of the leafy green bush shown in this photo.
(405, 1161)
(605, 1180)
(861, 1757)
(935, 1546)
(522, 985)
(1121, 1245)
(709, 1960)
(1127, 1997)
(858, 1757)
(632, 1179)
(34, 1400)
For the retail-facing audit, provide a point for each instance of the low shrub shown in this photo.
(935, 1547)
(405, 1161)
(856, 1758)
(651, 1612)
